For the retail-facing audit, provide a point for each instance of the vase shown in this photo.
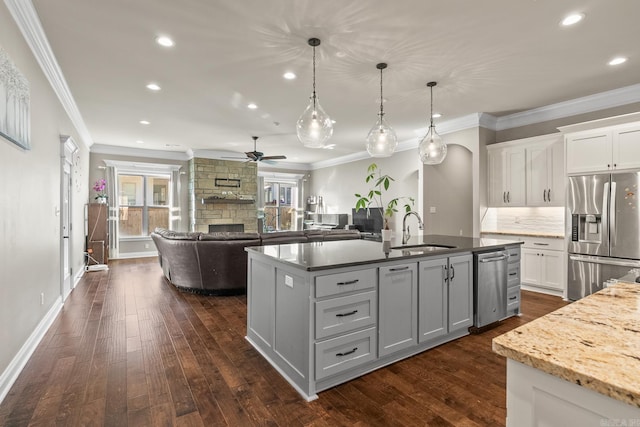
(386, 235)
(101, 200)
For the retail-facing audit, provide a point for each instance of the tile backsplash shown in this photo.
(543, 219)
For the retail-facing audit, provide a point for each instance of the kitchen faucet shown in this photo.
(405, 228)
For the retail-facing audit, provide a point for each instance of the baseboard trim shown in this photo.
(10, 375)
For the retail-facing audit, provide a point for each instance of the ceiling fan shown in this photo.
(257, 156)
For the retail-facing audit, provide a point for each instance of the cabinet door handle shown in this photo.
(512, 298)
(347, 352)
(349, 282)
(406, 267)
(446, 274)
(544, 195)
(508, 198)
(548, 195)
(513, 274)
(504, 197)
(351, 313)
(540, 244)
(453, 272)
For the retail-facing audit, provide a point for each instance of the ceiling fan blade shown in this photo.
(252, 155)
(274, 157)
(237, 158)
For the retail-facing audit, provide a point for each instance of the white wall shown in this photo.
(29, 198)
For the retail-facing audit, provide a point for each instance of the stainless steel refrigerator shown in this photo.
(605, 230)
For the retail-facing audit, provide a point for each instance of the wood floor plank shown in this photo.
(129, 349)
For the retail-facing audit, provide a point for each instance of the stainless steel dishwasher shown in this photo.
(490, 287)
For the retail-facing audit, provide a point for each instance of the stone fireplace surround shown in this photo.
(223, 204)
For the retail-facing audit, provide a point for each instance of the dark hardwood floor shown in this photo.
(129, 349)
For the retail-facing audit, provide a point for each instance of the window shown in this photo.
(144, 203)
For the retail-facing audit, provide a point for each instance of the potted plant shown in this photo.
(381, 183)
(100, 187)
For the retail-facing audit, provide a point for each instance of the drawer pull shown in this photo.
(346, 353)
(513, 274)
(347, 314)
(399, 268)
(513, 298)
(540, 244)
(350, 282)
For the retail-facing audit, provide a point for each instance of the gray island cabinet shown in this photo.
(323, 313)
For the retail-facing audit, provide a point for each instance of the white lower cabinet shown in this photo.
(445, 296)
(542, 268)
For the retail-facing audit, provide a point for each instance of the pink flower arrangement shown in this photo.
(99, 187)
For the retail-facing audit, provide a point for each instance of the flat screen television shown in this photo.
(368, 220)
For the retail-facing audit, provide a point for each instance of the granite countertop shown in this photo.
(314, 256)
(593, 342)
(526, 233)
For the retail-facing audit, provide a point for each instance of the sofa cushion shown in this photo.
(181, 235)
(229, 235)
(280, 237)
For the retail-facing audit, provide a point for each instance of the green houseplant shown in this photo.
(380, 184)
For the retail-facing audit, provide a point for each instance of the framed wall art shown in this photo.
(15, 120)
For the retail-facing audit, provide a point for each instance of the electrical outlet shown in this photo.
(146, 246)
(42, 298)
(461, 231)
(288, 280)
(517, 220)
(432, 209)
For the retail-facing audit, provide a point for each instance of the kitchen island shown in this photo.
(323, 313)
(579, 365)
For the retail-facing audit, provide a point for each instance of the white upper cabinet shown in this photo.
(545, 173)
(506, 176)
(605, 149)
(527, 172)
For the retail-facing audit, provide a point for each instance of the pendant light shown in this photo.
(381, 140)
(314, 127)
(432, 148)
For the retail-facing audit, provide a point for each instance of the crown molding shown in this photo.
(26, 18)
(586, 104)
(140, 152)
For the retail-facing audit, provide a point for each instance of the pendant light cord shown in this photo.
(314, 78)
(431, 114)
(381, 98)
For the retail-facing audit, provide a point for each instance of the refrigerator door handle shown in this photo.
(605, 217)
(612, 217)
(605, 261)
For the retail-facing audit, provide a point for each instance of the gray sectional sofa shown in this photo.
(216, 263)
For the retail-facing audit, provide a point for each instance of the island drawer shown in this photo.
(345, 352)
(334, 284)
(513, 275)
(513, 298)
(514, 254)
(344, 314)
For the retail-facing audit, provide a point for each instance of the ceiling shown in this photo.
(493, 56)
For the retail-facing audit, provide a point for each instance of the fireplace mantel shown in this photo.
(230, 201)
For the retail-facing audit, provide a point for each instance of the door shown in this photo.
(589, 152)
(497, 192)
(432, 299)
(551, 273)
(537, 175)
(626, 147)
(531, 266)
(461, 292)
(515, 159)
(397, 317)
(625, 215)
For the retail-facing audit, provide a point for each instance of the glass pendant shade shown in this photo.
(432, 149)
(314, 127)
(381, 140)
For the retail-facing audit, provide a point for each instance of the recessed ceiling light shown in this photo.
(252, 106)
(140, 142)
(145, 122)
(165, 41)
(572, 19)
(436, 115)
(333, 121)
(329, 146)
(289, 75)
(618, 60)
(153, 86)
